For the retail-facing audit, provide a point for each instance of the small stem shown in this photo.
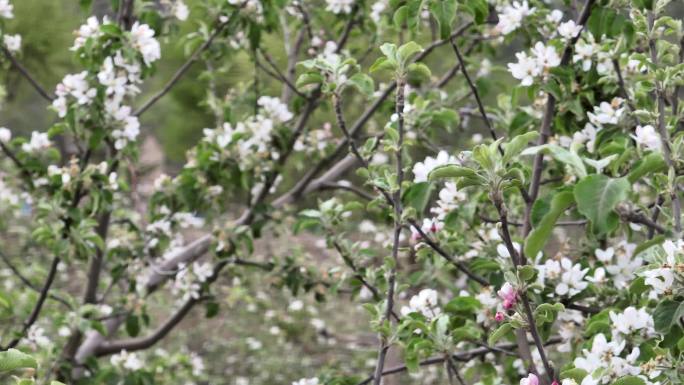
(399, 110)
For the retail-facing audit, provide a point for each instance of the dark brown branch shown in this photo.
(303, 182)
(279, 75)
(639, 218)
(30, 284)
(186, 66)
(473, 89)
(27, 75)
(398, 210)
(545, 129)
(517, 261)
(623, 88)
(35, 313)
(462, 357)
(145, 342)
(664, 135)
(436, 247)
(339, 186)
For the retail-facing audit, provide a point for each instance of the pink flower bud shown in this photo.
(531, 379)
(509, 295)
(555, 382)
(499, 316)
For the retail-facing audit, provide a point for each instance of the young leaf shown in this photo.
(444, 12)
(596, 196)
(536, 240)
(652, 162)
(517, 144)
(562, 155)
(417, 196)
(499, 333)
(629, 380)
(666, 314)
(363, 83)
(406, 52)
(451, 171)
(14, 359)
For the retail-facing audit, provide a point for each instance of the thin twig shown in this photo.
(186, 66)
(398, 209)
(30, 284)
(26, 74)
(33, 317)
(664, 135)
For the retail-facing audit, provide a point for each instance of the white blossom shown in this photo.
(275, 108)
(525, 70)
(569, 30)
(546, 56)
(181, 10)
(568, 277)
(607, 113)
(142, 39)
(91, 29)
(632, 320)
(511, 17)
(74, 86)
(6, 9)
(422, 169)
(126, 360)
(584, 51)
(339, 6)
(5, 134)
(449, 197)
(377, 8)
(647, 137)
(306, 381)
(425, 302)
(39, 141)
(12, 42)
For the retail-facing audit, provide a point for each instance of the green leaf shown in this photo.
(652, 162)
(132, 325)
(536, 240)
(576, 374)
(444, 12)
(596, 197)
(363, 83)
(309, 78)
(400, 16)
(383, 63)
(562, 155)
(451, 171)
(517, 144)
(389, 50)
(406, 52)
(527, 273)
(629, 380)
(417, 196)
(479, 9)
(110, 29)
(666, 314)
(419, 72)
(499, 333)
(14, 359)
(462, 305)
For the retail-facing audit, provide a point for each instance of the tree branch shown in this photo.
(35, 313)
(27, 75)
(186, 66)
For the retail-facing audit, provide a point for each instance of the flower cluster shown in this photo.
(566, 278)
(425, 302)
(529, 68)
(511, 17)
